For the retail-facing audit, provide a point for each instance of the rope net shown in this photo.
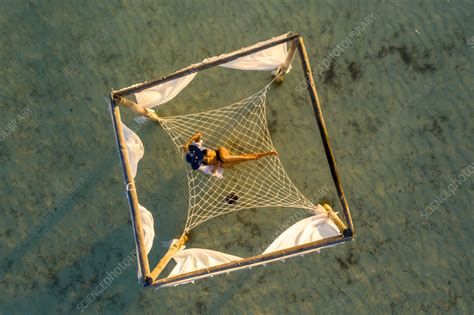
(241, 128)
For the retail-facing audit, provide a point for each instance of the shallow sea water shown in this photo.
(398, 107)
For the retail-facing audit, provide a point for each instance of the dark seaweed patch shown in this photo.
(201, 307)
(291, 297)
(436, 130)
(342, 263)
(356, 126)
(449, 48)
(427, 67)
(272, 126)
(330, 74)
(383, 51)
(355, 71)
(410, 56)
(352, 260)
(261, 279)
(404, 53)
(372, 125)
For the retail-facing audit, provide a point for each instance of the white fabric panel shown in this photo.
(148, 227)
(148, 233)
(208, 170)
(134, 147)
(188, 260)
(319, 209)
(163, 93)
(308, 230)
(268, 59)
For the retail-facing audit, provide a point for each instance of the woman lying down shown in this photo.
(213, 161)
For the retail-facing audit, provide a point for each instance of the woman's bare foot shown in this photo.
(259, 155)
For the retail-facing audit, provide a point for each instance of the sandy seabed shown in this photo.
(398, 106)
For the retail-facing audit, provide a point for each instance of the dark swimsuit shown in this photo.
(218, 157)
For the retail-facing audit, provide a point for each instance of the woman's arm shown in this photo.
(196, 138)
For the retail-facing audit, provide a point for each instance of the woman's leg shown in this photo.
(231, 160)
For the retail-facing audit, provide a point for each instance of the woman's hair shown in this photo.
(204, 160)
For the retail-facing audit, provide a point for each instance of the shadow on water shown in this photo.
(34, 238)
(225, 297)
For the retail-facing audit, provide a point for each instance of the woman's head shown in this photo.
(194, 156)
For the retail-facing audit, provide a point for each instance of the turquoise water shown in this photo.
(398, 107)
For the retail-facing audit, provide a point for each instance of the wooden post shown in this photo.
(324, 134)
(209, 63)
(167, 257)
(333, 216)
(140, 110)
(280, 72)
(131, 193)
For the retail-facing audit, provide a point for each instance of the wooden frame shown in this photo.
(348, 233)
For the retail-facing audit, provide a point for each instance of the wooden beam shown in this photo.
(252, 261)
(324, 133)
(333, 216)
(131, 193)
(281, 71)
(140, 110)
(208, 63)
(167, 257)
